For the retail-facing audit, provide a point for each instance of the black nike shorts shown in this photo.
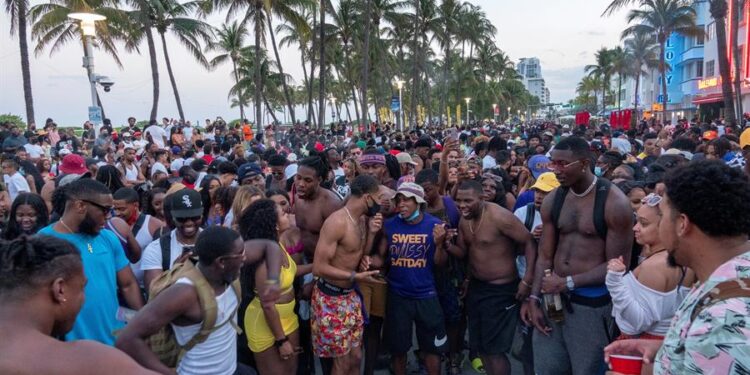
(402, 314)
(493, 314)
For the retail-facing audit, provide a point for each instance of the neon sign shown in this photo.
(709, 82)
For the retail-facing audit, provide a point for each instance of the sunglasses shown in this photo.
(184, 219)
(106, 210)
(651, 200)
(559, 164)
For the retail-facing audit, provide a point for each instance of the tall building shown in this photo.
(530, 71)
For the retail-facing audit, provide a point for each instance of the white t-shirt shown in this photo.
(489, 162)
(16, 184)
(158, 167)
(34, 151)
(218, 354)
(521, 215)
(157, 134)
(177, 164)
(151, 259)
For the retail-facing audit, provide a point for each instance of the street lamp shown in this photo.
(400, 85)
(494, 108)
(468, 100)
(88, 27)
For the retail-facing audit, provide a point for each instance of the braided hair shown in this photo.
(27, 263)
(318, 161)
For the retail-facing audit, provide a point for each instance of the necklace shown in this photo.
(481, 219)
(88, 244)
(587, 191)
(356, 224)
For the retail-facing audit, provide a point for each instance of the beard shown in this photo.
(89, 226)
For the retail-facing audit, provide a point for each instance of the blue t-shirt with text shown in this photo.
(101, 262)
(411, 254)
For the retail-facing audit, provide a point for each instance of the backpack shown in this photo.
(530, 213)
(600, 201)
(735, 288)
(165, 245)
(139, 224)
(163, 342)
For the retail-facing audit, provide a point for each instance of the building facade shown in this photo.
(530, 70)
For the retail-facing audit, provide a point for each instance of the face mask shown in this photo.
(373, 210)
(598, 171)
(412, 217)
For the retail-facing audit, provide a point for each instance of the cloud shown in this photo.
(66, 77)
(562, 82)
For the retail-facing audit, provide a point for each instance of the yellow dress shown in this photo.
(259, 335)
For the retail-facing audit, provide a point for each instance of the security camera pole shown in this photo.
(88, 27)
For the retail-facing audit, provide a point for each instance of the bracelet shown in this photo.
(352, 276)
(279, 343)
(272, 281)
(525, 283)
(535, 298)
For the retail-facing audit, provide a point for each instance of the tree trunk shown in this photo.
(415, 69)
(154, 74)
(281, 69)
(739, 6)
(619, 90)
(444, 91)
(637, 94)
(356, 109)
(239, 89)
(365, 66)
(663, 72)
(23, 45)
(724, 69)
(311, 119)
(270, 110)
(322, 72)
(256, 70)
(171, 78)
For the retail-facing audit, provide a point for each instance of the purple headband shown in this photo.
(372, 159)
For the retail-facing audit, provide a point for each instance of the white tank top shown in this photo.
(218, 354)
(143, 237)
(131, 174)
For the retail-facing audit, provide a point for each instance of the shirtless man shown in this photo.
(337, 321)
(41, 293)
(313, 204)
(490, 235)
(577, 254)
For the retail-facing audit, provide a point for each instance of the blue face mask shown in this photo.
(412, 217)
(598, 171)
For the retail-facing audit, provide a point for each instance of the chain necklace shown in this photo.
(356, 224)
(481, 219)
(88, 244)
(585, 193)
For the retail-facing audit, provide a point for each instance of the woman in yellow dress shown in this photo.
(271, 327)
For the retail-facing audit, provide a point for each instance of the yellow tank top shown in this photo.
(287, 274)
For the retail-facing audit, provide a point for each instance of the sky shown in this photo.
(563, 34)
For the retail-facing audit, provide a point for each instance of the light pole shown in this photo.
(468, 100)
(508, 113)
(494, 108)
(400, 85)
(88, 28)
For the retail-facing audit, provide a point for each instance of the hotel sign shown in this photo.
(709, 82)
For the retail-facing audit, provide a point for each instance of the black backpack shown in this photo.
(530, 213)
(165, 244)
(139, 224)
(600, 201)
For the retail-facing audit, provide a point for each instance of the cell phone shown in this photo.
(452, 134)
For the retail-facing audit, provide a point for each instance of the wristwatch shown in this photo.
(569, 283)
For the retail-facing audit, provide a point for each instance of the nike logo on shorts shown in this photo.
(440, 342)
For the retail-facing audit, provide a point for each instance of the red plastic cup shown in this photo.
(626, 364)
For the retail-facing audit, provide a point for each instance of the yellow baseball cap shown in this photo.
(546, 182)
(745, 138)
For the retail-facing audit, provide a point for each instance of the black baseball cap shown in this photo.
(186, 203)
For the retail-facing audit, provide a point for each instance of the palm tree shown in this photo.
(300, 36)
(365, 62)
(230, 43)
(738, 6)
(642, 53)
(661, 18)
(169, 15)
(322, 63)
(448, 13)
(602, 70)
(718, 10)
(620, 66)
(18, 10)
(53, 29)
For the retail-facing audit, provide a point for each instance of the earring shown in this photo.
(65, 300)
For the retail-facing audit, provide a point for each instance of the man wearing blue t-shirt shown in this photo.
(88, 206)
(414, 244)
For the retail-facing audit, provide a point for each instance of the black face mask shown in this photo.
(373, 210)
(89, 226)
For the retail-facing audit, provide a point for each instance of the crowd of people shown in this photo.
(219, 249)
